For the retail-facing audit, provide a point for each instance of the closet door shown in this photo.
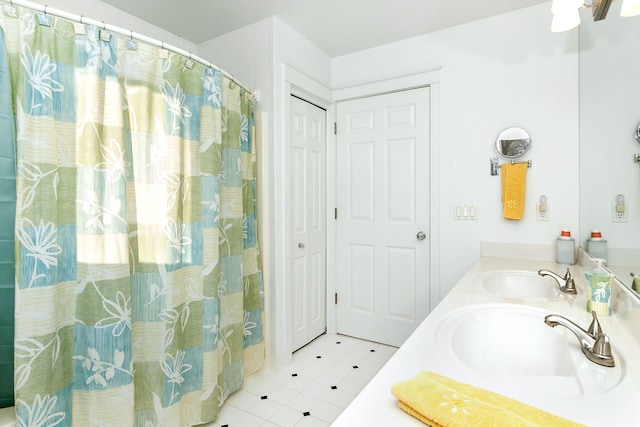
(308, 245)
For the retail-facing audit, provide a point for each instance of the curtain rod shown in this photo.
(128, 33)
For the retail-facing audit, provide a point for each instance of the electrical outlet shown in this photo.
(619, 212)
(542, 212)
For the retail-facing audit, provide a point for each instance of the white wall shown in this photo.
(508, 70)
(247, 54)
(257, 55)
(610, 112)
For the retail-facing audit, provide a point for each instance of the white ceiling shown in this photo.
(337, 27)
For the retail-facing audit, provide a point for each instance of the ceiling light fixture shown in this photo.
(566, 13)
(630, 8)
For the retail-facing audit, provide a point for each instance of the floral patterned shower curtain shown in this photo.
(139, 293)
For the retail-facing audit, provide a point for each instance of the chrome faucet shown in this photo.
(565, 283)
(595, 344)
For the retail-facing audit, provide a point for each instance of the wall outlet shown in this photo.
(619, 212)
(542, 212)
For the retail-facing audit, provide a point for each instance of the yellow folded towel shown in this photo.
(514, 180)
(439, 401)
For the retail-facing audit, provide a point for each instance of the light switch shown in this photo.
(465, 212)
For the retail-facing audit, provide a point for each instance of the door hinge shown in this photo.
(335, 128)
(335, 213)
(336, 298)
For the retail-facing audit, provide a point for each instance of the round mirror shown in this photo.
(513, 142)
(638, 134)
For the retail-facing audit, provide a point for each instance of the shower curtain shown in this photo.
(138, 286)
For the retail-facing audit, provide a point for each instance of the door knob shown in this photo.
(301, 245)
(421, 235)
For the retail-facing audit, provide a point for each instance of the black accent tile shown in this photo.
(372, 351)
(355, 366)
(334, 387)
(338, 342)
(318, 357)
(306, 414)
(294, 375)
(224, 425)
(263, 397)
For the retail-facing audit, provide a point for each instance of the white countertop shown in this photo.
(376, 406)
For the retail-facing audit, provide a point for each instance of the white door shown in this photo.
(308, 221)
(382, 257)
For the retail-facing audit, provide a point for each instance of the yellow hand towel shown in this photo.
(514, 180)
(439, 401)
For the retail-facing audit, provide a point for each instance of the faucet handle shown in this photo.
(595, 330)
(602, 347)
(570, 284)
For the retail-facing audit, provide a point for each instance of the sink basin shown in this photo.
(518, 284)
(511, 345)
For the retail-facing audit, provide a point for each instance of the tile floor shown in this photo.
(323, 379)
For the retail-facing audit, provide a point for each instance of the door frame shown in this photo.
(304, 87)
(296, 83)
(431, 79)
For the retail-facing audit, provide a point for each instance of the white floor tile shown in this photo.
(342, 369)
(326, 411)
(339, 398)
(317, 390)
(243, 399)
(363, 375)
(303, 403)
(330, 378)
(312, 372)
(282, 395)
(370, 365)
(247, 420)
(286, 417)
(278, 377)
(311, 422)
(265, 409)
(297, 383)
(260, 387)
(351, 385)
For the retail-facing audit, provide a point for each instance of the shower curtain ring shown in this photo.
(131, 34)
(81, 18)
(45, 9)
(104, 26)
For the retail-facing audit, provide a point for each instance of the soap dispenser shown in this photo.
(565, 248)
(599, 289)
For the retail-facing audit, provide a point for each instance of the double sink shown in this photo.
(509, 344)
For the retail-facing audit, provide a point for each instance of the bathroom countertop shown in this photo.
(375, 405)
